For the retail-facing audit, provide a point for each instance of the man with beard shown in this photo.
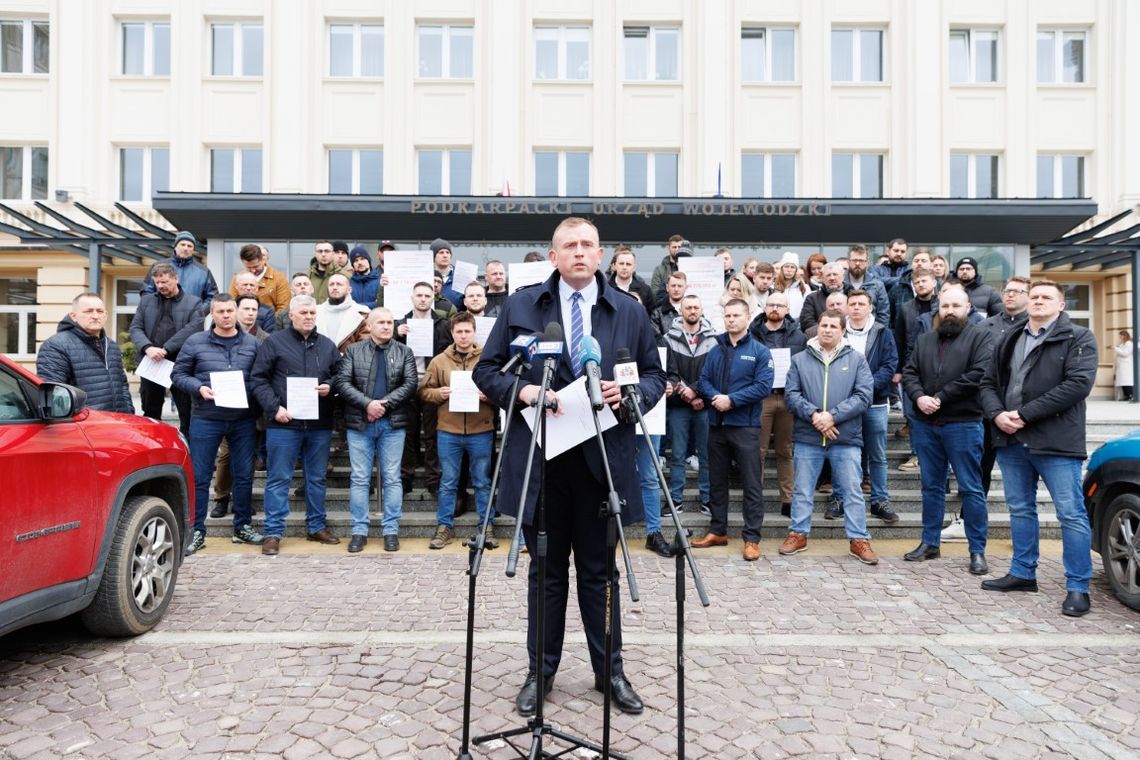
(984, 298)
(194, 278)
(942, 379)
(816, 302)
(270, 285)
(365, 282)
(860, 277)
(895, 269)
(340, 317)
(323, 266)
(495, 273)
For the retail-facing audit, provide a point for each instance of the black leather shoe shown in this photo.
(356, 543)
(675, 544)
(622, 694)
(391, 543)
(834, 509)
(786, 509)
(221, 508)
(1076, 604)
(1010, 583)
(923, 552)
(527, 700)
(656, 543)
(978, 564)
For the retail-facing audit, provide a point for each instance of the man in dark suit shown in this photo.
(577, 297)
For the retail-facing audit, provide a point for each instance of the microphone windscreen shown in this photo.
(553, 331)
(591, 351)
(623, 355)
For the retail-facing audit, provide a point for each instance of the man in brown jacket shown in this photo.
(272, 284)
(466, 424)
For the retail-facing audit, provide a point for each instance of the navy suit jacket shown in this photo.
(617, 321)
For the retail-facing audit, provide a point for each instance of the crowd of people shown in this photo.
(803, 359)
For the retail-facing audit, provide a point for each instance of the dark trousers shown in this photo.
(573, 523)
(153, 396)
(421, 429)
(989, 456)
(726, 444)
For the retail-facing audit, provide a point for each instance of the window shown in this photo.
(356, 171)
(1078, 303)
(1060, 56)
(561, 173)
(128, 292)
(767, 55)
(973, 55)
(1060, 176)
(237, 50)
(356, 50)
(446, 52)
(14, 404)
(24, 47)
(143, 172)
(856, 175)
(651, 175)
(562, 52)
(18, 317)
(23, 173)
(235, 170)
(652, 53)
(973, 176)
(146, 48)
(444, 172)
(856, 55)
(768, 175)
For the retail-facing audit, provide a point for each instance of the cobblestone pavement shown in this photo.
(319, 654)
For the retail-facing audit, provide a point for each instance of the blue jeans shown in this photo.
(205, 437)
(846, 477)
(650, 488)
(685, 422)
(378, 439)
(960, 444)
(875, 451)
(451, 447)
(284, 445)
(1020, 469)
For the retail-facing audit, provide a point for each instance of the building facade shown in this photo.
(113, 100)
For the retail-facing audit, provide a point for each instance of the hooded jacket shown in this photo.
(950, 373)
(878, 292)
(91, 363)
(882, 358)
(844, 387)
(683, 360)
(788, 336)
(744, 373)
(356, 379)
(206, 352)
(1059, 375)
(438, 375)
(194, 278)
(365, 287)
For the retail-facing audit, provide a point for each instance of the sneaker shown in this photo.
(862, 551)
(793, 544)
(883, 511)
(693, 463)
(786, 509)
(197, 541)
(834, 509)
(443, 536)
(955, 531)
(705, 509)
(909, 465)
(247, 535)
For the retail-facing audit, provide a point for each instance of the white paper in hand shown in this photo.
(575, 424)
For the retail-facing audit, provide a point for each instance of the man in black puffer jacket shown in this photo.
(81, 354)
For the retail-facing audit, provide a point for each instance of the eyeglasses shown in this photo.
(1013, 291)
(777, 306)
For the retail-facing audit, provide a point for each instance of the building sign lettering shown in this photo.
(717, 207)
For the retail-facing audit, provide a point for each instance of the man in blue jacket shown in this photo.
(194, 278)
(829, 387)
(577, 297)
(225, 348)
(735, 378)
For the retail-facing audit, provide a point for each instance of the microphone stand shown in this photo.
(684, 555)
(536, 726)
(476, 546)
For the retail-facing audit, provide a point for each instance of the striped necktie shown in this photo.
(576, 333)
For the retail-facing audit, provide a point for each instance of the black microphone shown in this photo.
(591, 361)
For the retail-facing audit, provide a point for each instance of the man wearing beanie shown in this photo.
(193, 278)
(441, 260)
(340, 254)
(365, 283)
(984, 298)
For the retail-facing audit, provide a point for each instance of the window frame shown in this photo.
(562, 153)
(857, 173)
(357, 49)
(238, 152)
(238, 58)
(1059, 33)
(28, 43)
(27, 151)
(1057, 164)
(768, 30)
(651, 170)
(856, 58)
(654, 30)
(445, 67)
(972, 58)
(561, 39)
(26, 317)
(147, 179)
(767, 157)
(972, 175)
(354, 180)
(148, 55)
(445, 168)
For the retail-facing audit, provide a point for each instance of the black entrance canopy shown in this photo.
(279, 216)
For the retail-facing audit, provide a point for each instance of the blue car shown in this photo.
(1112, 498)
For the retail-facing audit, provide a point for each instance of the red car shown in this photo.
(93, 509)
